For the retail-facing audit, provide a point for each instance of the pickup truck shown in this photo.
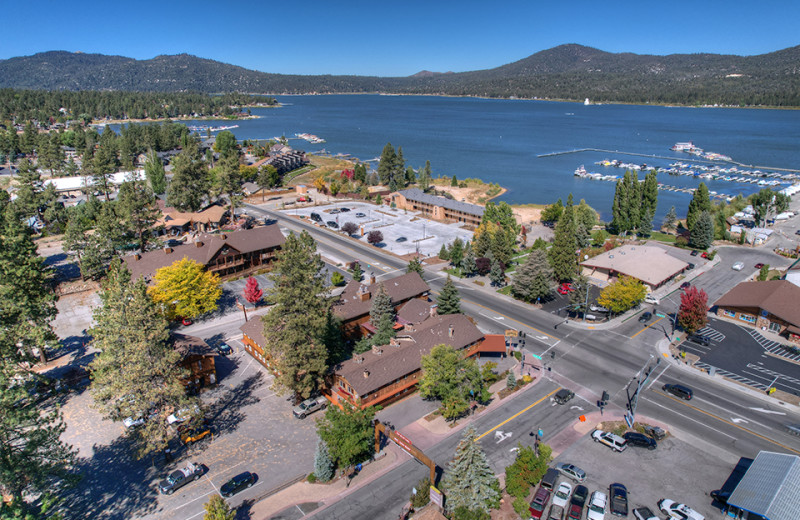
(310, 406)
(618, 496)
(180, 477)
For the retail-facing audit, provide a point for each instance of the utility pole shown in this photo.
(633, 400)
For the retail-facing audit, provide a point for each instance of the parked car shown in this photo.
(704, 255)
(539, 502)
(332, 224)
(651, 299)
(237, 483)
(613, 441)
(681, 391)
(644, 513)
(180, 477)
(335, 211)
(676, 511)
(690, 266)
(183, 414)
(655, 432)
(316, 217)
(759, 265)
(576, 503)
(738, 266)
(573, 472)
(360, 215)
(556, 513)
(562, 494)
(401, 239)
(699, 339)
(694, 252)
(563, 396)
(565, 288)
(721, 496)
(309, 406)
(192, 435)
(186, 322)
(640, 440)
(597, 308)
(685, 285)
(645, 317)
(597, 506)
(224, 349)
(550, 479)
(797, 232)
(344, 210)
(619, 499)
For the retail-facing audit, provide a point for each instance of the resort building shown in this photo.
(438, 208)
(199, 359)
(255, 342)
(226, 254)
(771, 305)
(768, 490)
(651, 265)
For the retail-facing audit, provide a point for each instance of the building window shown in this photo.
(747, 318)
(729, 314)
(774, 327)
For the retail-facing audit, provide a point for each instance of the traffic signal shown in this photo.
(605, 397)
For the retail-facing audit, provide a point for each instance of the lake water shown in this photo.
(499, 140)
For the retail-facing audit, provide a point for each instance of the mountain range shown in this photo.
(569, 72)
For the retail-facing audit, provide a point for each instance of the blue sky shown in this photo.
(388, 38)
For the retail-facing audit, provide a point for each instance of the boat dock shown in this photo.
(655, 156)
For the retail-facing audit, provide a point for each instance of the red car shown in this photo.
(565, 288)
(539, 502)
(186, 322)
(759, 265)
(704, 255)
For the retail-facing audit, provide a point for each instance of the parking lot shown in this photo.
(677, 470)
(404, 232)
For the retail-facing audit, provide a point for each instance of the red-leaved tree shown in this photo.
(375, 237)
(693, 313)
(252, 293)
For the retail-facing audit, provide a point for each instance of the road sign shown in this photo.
(661, 315)
(511, 333)
(537, 356)
(437, 497)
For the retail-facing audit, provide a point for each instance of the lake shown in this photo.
(499, 140)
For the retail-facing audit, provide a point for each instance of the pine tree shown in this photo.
(619, 209)
(702, 234)
(443, 253)
(469, 480)
(496, 275)
(29, 190)
(454, 181)
(137, 207)
(425, 177)
(649, 201)
(468, 265)
(511, 381)
(449, 301)
(382, 317)
(154, 170)
(295, 327)
(358, 274)
(229, 182)
(136, 372)
(189, 188)
(563, 257)
(578, 296)
(416, 266)
(456, 252)
(671, 219)
(386, 164)
(701, 201)
(533, 279)
(323, 464)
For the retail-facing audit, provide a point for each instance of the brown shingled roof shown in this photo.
(254, 329)
(778, 297)
(244, 241)
(395, 362)
(414, 311)
(191, 345)
(399, 289)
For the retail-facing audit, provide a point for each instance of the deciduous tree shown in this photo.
(349, 434)
(469, 480)
(375, 237)
(693, 312)
(452, 379)
(218, 509)
(449, 301)
(186, 289)
(416, 266)
(349, 227)
(252, 292)
(623, 294)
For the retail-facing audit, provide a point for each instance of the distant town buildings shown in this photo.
(438, 208)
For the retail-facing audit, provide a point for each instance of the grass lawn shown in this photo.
(454, 271)
(506, 290)
(663, 237)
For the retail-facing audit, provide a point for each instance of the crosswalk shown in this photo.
(730, 375)
(773, 347)
(771, 373)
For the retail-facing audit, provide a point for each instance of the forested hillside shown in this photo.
(571, 72)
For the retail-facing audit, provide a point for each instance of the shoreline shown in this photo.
(181, 118)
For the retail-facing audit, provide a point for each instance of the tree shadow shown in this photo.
(226, 413)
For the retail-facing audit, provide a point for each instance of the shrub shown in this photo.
(349, 227)
(423, 495)
(511, 381)
(337, 279)
(521, 507)
(312, 478)
(375, 237)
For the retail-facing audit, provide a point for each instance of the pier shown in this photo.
(668, 158)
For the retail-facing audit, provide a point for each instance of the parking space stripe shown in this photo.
(731, 375)
(773, 347)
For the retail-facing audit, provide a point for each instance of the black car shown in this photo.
(579, 496)
(645, 317)
(224, 349)
(694, 252)
(690, 267)
(640, 440)
(332, 224)
(344, 210)
(678, 391)
(237, 483)
(699, 339)
(401, 239)
(563, 395)
(315, 217)
(721, 496)
(685, 285)
(618, 499)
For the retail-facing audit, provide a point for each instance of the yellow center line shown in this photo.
(731, 423)
(510, 318)
(644, 329)
(516, 415)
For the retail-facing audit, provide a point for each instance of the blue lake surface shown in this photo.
(499, 140)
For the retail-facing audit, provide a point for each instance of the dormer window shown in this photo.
(224, 250)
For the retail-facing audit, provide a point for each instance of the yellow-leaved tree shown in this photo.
(623, 294)
(185, 289)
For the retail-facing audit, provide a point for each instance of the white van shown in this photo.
(651, 299)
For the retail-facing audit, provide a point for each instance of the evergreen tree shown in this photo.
(190, 185)
(323, 464)
(454, 181)
(468, 264)
(469, 480)
(229, 182)
(443, 253)
(586, 216)
(496, 275)
(456, 252)
(358, 274)
(154, 170)
(670, 220)
(360, 173)
(578, 296)
(398, 175)
(416, 266)
(382, 317)
(386, 164)
(563, 258)
(701, 201)
(449, 301)
(136, 372)
(649, 201)
(29, 191)
(411, 176)
(425, 177)
(702, 234)
(137, 207)
(619, 209)
(511, 381)
(553, 212)
(533, 280)
(295, 327)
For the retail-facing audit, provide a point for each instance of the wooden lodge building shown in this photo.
(198, 358)
(438, 208)
(226, 254)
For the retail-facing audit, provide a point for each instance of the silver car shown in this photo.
(573, 472)
(309, 406)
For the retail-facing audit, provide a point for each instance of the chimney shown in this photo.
(224, 236)
(393, 342)
(167, 250)
(434, 311)
(363, 293)
(450, 331)
(371, 278)
(199, 243)
(366, 374)
(377, 350)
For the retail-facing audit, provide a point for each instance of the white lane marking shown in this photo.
(762, 410)
(737, 420)
(691, 419)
